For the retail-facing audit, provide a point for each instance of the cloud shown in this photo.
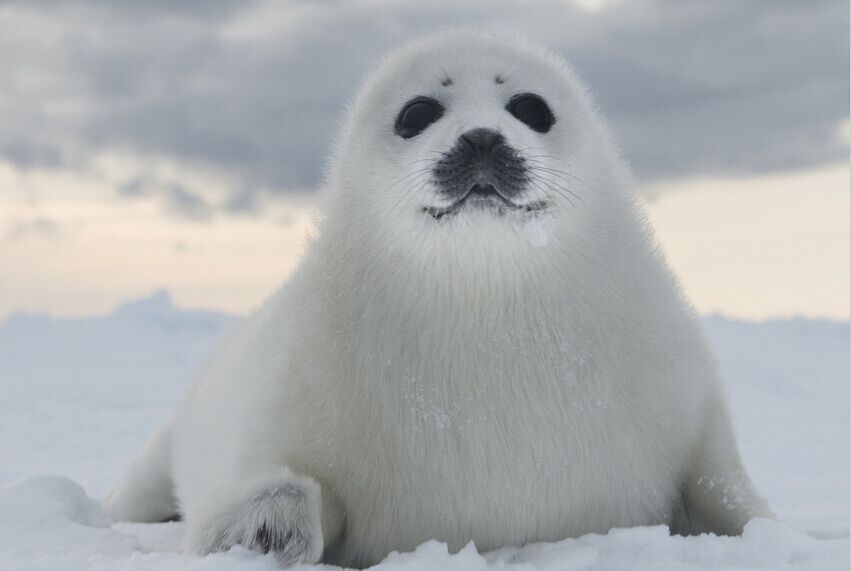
(38, 226)
(177, 198)
(29, 154)
(257, 89)
(186, 203)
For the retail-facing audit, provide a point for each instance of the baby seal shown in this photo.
(482, 343)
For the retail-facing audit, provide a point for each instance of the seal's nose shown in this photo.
(481, 163)
(481, 141)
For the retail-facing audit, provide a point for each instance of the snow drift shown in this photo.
(79, 397)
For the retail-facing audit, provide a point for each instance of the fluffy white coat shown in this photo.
(500, 379)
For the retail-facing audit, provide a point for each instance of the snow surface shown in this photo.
(78, 397)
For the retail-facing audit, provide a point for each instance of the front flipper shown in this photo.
(718, 496)
(279, 514)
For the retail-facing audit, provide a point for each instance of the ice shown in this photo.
(80, 396)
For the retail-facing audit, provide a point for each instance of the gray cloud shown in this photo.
(39, 226)
(258, 88)
(186, 203)
(177, 198)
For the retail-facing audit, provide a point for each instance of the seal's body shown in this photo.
(482, 343)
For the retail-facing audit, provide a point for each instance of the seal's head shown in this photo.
(473, 138)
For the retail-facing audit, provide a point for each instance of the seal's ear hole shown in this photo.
(532, 110)
(416, 115)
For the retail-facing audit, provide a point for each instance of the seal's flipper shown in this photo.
(145, 492)
(718, 495)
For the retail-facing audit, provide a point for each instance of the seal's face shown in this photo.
(482, 170)
(472, 139)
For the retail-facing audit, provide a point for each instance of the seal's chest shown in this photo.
(494, 422)
(498, 463)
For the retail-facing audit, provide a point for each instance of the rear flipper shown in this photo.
(146, 492)
(718, 496)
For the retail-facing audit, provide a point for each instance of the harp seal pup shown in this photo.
(482, 342)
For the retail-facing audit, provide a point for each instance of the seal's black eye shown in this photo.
(532, 110)
(416, 115)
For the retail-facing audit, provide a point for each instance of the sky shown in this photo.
(149, 145)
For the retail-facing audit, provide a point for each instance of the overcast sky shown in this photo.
(256, 89)
(155, 143)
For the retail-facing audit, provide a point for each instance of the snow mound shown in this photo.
(764, 545)
(50, 523)
(80, 396)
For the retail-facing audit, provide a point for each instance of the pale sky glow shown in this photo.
(760, 247)
(753, 247)
(68, 246)
(178, 145)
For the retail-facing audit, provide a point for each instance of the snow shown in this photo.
(80, 396)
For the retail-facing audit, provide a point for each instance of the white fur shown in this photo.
(500, 379)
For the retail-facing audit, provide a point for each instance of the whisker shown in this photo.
(536, 184)
(544, 157)
(539, 185)
(407, 176)
(414, 185)
(563, 186)
(540, 165)
(562, 175)
(555, 187)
